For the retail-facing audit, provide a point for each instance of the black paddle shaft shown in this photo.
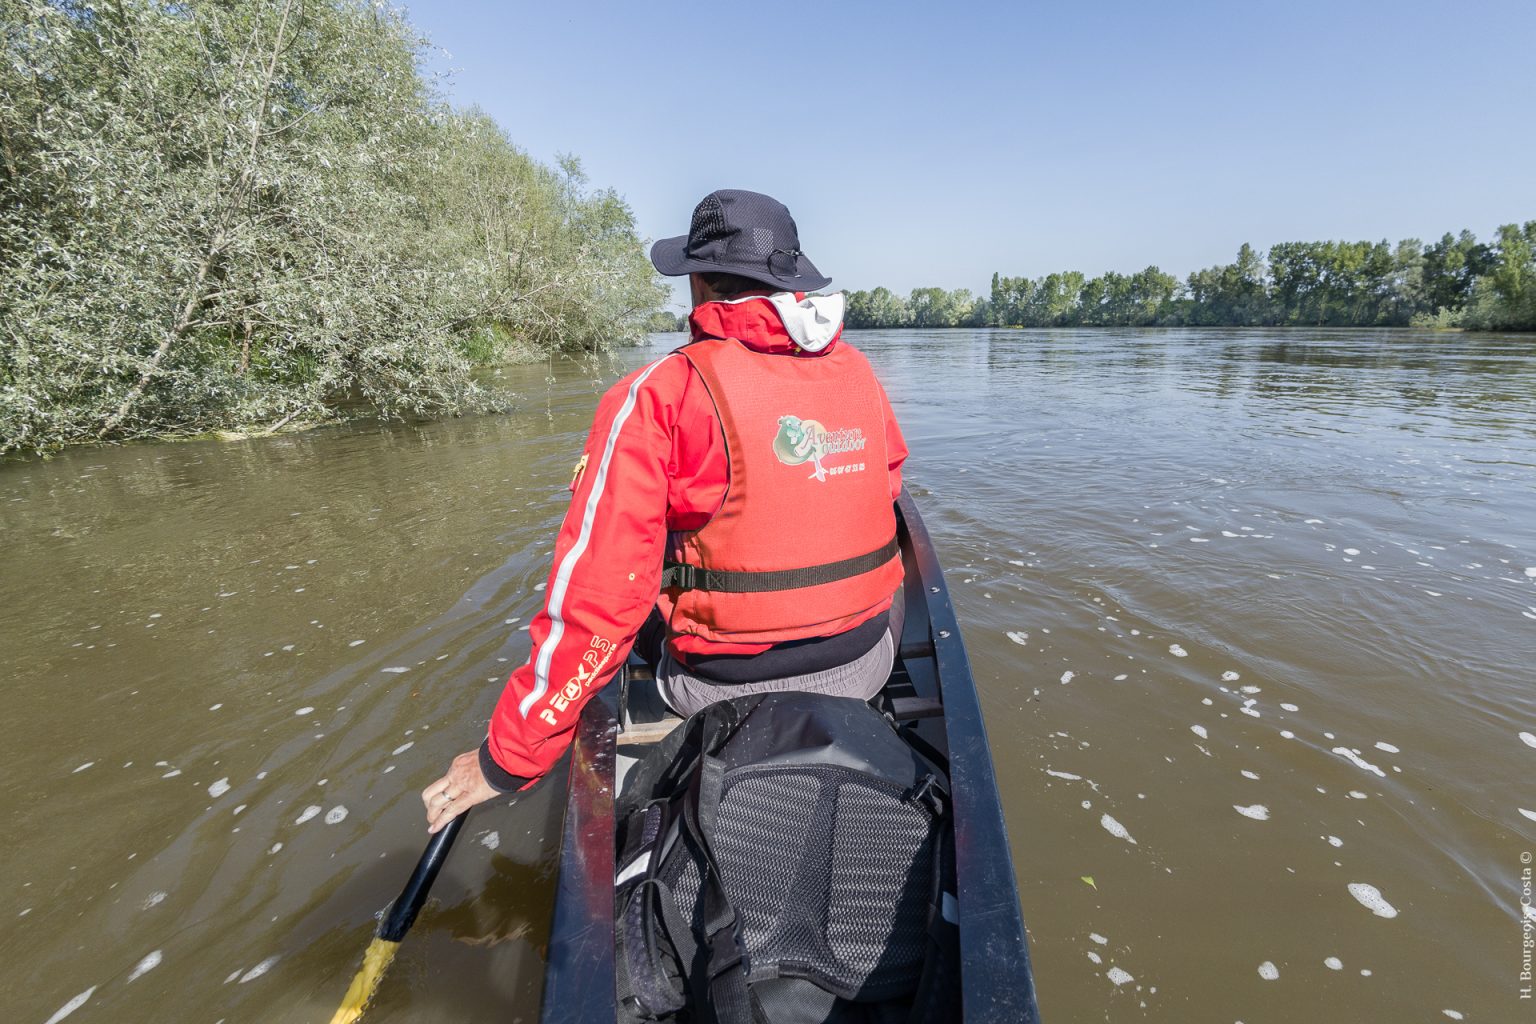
(402, 913)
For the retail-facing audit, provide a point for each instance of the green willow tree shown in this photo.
(227, 213)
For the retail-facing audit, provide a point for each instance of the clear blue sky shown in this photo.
(928, 144)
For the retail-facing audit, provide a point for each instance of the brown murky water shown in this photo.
(1253, 614)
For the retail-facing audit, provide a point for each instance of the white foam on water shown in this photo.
(1268, 971)
(1095, 957)
(1250, 712)
(1258, 812)
(1530, 571)
(309, 812)
(1250, 775)
(1118, 976)
(1365, 972)
(1526, 813)
(1289, 707)
(1018, 637)
(1199, 730)
(402, 748)
(216, 707)
(154, 899)
(1096, 937)
(1087, 805)
(356, 643)
(1250, 689)
(1199, 540)
(491, 840)
(146, 965)
(336, 815)
(260, 969)
(1122, 677)
(1355, 794)
(1333, 963)
(1528, 739)
(1177, 651)
(1371, 899)
(1358, 761)
(82, 768)
(275, 847)
(1287, 734)
(1389, 748)
(1453, 1014)
(397, 669)
(1062, 775)
(219, 788)
(171, 774)
(71, 1006)
(1116, 829)
(1066, 677)
(1334, 841)
(304, 711)
(1351, 551)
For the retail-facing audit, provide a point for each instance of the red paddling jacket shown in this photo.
(748, 479)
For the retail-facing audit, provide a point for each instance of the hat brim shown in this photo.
(670, 257)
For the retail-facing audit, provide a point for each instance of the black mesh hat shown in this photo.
(745, 233)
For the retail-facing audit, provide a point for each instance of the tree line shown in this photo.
(233, 213)
(1455, 282)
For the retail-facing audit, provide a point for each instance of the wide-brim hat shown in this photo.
(744, 233)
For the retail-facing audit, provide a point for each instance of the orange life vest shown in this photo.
(804, 543)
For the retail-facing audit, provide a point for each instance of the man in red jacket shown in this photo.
(731, 513)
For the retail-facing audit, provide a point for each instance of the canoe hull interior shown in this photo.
(933, 694)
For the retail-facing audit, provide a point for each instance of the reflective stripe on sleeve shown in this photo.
(562, 581)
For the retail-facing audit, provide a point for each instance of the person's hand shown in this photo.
(462, 788)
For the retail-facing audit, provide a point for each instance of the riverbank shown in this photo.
(200, 244)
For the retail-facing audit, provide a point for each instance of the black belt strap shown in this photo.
(687, 576)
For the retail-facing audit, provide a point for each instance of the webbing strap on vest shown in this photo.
(687, 576)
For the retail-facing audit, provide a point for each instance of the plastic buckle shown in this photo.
(928, 793)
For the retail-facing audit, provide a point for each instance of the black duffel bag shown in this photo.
(785, 858)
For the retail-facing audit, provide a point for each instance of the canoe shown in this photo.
(931, 690)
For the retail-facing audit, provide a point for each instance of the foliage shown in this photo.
(219, 213)
(665, 321)
(1456, 281)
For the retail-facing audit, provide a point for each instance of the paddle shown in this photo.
(397, 921)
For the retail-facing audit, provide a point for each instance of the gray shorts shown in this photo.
(862, 677)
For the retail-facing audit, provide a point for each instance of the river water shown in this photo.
(1253, 615)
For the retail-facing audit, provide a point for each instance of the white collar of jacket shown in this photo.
(811, 322)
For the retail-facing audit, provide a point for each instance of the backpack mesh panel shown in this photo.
(829, 872)
(881, 848)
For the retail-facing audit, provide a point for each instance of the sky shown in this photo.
(928, 144)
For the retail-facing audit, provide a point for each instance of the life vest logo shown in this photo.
(800, 441)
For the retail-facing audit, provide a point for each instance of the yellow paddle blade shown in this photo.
(375, 961)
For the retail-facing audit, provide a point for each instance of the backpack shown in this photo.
(785, 859)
